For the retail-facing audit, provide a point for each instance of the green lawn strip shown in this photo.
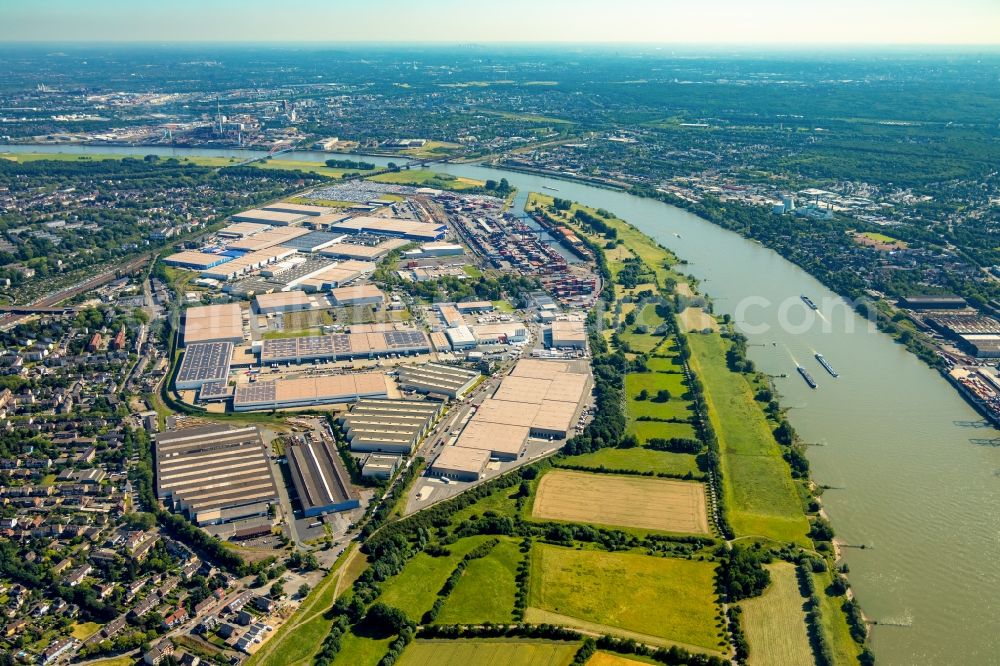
(672, 599)
(647, 430)
(775, 622)
(760, 495)
(639, 459)
(486, 591)
(488, 652)
(641, 343)
(834, 623)
(652, 383)
(672, 365)
(415, 588)
(500, 502)
(356, 650)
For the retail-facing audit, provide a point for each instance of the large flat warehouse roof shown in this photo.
(204, 362)
(214, 472)
(241, 229)
(461, 459)
(195, 259)
(269, 238)
(305, 391)
(369, 252)
(213, 323)
(284, 300)
(504, 441)
(314, 241)
(268, 217)
(391, 226)
(342, 345)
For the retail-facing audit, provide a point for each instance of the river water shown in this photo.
(893, 438)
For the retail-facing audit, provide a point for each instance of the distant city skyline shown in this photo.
(760, 22)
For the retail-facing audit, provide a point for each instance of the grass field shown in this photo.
(425, 178)
(638, 459)
(834, 624)
(652, 382)
(484, 652)
(486, 591)
(84, 630)
(355, 650)
(415, 588)
(302, 165)
(647, 430)
(625, 501)
(123, 660)
(433, 149)
(759, 493)
(660, 597)
(775, 622)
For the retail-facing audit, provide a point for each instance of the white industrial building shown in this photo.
(436, 379)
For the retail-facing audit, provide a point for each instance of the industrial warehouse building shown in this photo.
(196, 260)
(389, 226)
(537, 399)
(362, 294)
(266, 239)
(312, 242)
(389, 426)
(241, 230)
(308, 391)
(272, 217)
(245, 263)
(436, 379)
(204, 362)
(438, 249)
(460, 463)
(461, 337)
(214, 474)
(343, 346)
(379, 466)
(337, 275)
(475, 306)
(283, 301)
(213, 323)
(319, 478)
(363, 252)
(572, 334)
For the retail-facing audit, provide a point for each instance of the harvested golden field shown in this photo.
(624, 501)
(696, 319)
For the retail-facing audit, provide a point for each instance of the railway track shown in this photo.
(50, 300)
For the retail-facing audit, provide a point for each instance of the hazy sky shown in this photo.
(662, 21)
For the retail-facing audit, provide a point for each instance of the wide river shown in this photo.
(893, 439)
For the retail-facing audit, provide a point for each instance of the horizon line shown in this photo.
(556, 42)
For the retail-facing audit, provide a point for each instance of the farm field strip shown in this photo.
(673, 599)
(605, 499)
(775, 622)
(471, 652)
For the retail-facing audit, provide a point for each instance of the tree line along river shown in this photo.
(892, 439)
